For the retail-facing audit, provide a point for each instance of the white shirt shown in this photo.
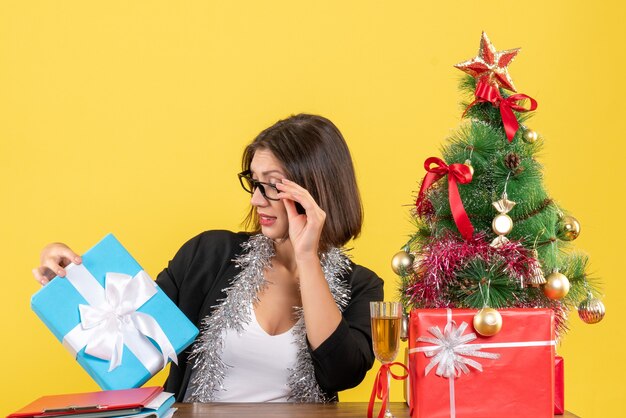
(257, 364)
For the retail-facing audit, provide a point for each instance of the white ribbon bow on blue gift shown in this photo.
(111, 320)
(450, 350)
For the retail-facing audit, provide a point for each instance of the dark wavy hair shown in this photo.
(315, 155)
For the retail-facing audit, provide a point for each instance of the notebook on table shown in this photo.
(108, 403)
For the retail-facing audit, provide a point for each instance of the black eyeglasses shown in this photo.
(268, 190)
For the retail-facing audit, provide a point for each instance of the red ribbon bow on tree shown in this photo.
(486, 92)
(380, 389)
(456, 173)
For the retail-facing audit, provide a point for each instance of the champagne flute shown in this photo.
(386, 323)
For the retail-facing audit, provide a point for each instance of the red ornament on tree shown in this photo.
(490, 66)
(490, 69)
(457, 173)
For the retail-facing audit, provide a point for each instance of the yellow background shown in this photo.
(130, 117)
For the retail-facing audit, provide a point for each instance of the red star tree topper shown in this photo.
(489, 65)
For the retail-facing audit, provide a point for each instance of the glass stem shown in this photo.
(387, 411)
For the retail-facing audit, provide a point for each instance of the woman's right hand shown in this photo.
(54, 258)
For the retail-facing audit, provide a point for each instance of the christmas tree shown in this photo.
(488, 235)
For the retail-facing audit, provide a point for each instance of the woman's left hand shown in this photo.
(305, 229)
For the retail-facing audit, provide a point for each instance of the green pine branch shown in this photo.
(481, 284)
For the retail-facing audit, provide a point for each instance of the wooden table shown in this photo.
(302, 410)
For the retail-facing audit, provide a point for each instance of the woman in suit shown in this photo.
(283, 312)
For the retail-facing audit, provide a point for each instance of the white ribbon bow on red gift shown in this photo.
(111, 320)
(450, 350)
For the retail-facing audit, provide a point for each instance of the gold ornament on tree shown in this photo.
(529, 136)
(468, 161)
(591, 310)
(568, 228)
(536, 272)
(488, 322)
(557, 286)
(401, 263)
(469, 165)
(502, 224)
(418, 264)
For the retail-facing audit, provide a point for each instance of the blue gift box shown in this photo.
(58, 306)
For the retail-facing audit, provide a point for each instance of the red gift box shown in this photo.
(559, 386)
(519, 383)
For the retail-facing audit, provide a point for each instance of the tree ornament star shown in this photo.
(490, 65)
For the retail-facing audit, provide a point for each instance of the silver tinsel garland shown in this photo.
(233, 312)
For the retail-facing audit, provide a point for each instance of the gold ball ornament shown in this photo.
(591, 310)
(502, 224)
(568, 228)
(418, 264)
(469, 165)
(529, 136)
(488, 322)
(557, 286)
(401, 262)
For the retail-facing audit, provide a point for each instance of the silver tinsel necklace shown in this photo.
(234, 312)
